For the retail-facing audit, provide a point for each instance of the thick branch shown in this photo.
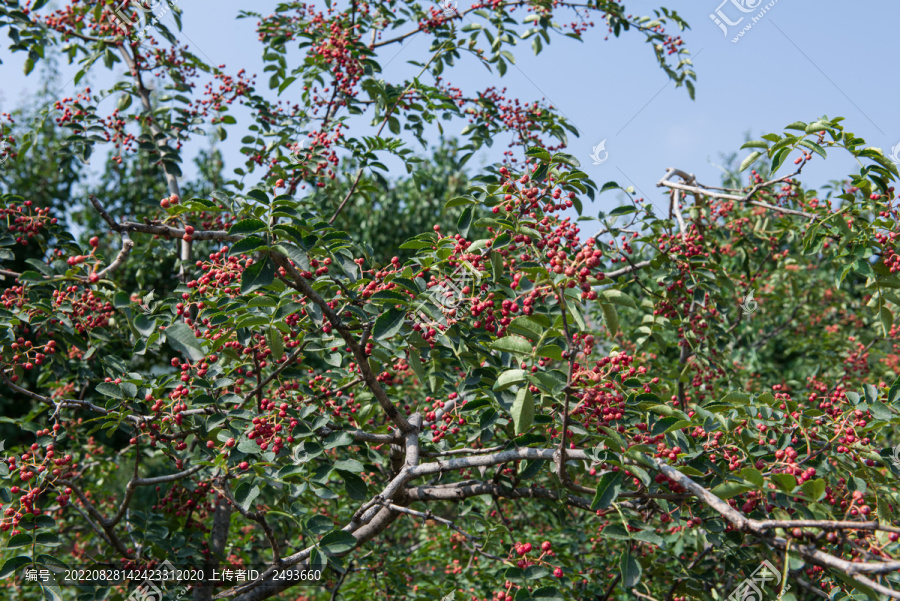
(808, 552)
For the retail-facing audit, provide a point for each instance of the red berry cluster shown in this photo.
(26, 220)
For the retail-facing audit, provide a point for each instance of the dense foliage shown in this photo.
(515, 403)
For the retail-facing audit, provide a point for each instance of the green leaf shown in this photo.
(766, 398)
(880, 411)
(388, 323)
(465, 221)
(259, 195)
(299, 257)
(894, 392)
(337, 542)
(608, 490)
(523, 410)
(354, 485)
(619, 298)
(726, 490)
(47, 538)
(251, 321)
(475, 404)
(751, 158)
(276, 342)
(415, 361)
(318, 524)
(13, 564)
(246, 226)
(667, 424)
(496, 265)
(181, 338)
(629, 569)
(535, 572)
(258, 275)
(532, 469)
(247, 245)
(887, 319)
(538, 153)
(245, 494)
(814, 489)
(615, 532)
(611, 317)
(20, 540)
(528, 327)
(648, 536)
(753, 475)
(816, 127)
(547, 593)
(736, 398)
(349, 465)
(623, 210)
(509, 378)
(50, 561)
(785, 482)
(512, 344)
(850, 583)
(144, 325)
(338, 439)
(110, 389)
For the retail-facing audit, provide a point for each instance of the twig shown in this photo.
(127, 245)
(337, 587)
(256, 516)
(691, 565)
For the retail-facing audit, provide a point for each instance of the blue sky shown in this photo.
(801, 60)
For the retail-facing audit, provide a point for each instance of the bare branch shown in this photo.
(158, 229)
(127, 245)
(704, 191)
(109, 529)
(625, 270)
